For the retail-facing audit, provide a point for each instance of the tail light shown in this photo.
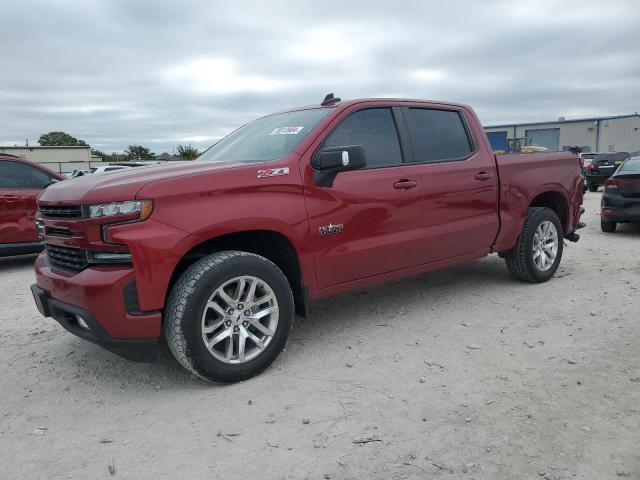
(611, 184)
(581, 162)
(592, 167)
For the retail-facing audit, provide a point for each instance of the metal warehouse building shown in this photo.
(619, 133)
(59, 159)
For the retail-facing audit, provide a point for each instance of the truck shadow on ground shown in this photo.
(387, 303)
(340, 315)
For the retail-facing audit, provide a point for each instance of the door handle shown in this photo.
(483, 176)
(405, 184)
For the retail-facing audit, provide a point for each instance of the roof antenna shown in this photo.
(329, 100)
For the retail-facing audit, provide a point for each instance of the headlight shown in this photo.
(141, 208)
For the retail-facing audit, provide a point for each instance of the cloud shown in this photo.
(220, 76)
(116, 72)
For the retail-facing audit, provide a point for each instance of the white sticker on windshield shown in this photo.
(286, 131)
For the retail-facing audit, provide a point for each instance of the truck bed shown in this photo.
(525, 176)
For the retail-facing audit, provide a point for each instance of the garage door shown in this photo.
(498, 140)
(544, 137)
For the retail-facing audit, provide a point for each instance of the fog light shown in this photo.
(110, 257)
(81, 322)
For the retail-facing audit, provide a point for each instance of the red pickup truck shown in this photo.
(217, 255)
(21, 181)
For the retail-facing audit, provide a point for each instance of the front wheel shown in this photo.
(536, 256)
(228, 316)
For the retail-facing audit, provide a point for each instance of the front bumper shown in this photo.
(80, 322)
(97, 295)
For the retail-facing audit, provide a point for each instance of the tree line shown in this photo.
(133, 152)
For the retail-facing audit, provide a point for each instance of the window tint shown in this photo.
(20, 175)
(375, 130)
(631, 166)
(437, 135)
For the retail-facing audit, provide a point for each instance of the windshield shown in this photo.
(266, 138)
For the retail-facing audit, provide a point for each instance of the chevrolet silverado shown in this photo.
(216, 256)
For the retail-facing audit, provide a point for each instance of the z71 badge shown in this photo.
(273, 172)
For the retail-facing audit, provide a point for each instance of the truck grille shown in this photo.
(61, 211)
(67, 257)
(61, 232)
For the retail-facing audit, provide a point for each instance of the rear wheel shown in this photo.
(536, 256)
(608, 227)
(593, 187)
(228, 316)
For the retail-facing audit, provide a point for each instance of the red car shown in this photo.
(21, 182)
(216, 255)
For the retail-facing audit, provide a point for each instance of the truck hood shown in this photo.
(122, 184)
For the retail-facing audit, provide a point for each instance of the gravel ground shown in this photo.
(461, 373)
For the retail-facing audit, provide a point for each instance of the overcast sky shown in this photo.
(162, 73)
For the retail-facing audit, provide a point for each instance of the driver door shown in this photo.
(369, 222)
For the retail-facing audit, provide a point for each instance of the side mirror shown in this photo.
(328, 162)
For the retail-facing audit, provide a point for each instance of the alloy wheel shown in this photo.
(545, 245)
(240, 319)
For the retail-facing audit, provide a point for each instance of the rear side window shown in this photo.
(437, 135)
(19, 175)
(631, 166)
(375, 130)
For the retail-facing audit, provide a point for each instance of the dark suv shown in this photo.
(602, 167)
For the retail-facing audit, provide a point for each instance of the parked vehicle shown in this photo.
(78, 173)
(602, 167)
(621, 197)
(21, 182)
(587, 158)
(108, 168)
(217, 254)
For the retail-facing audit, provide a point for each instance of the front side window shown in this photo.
(266, 138)
(437, 135)
(19, 175)
(375, 130)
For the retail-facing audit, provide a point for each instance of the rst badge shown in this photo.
(273, 172)
(331, 229)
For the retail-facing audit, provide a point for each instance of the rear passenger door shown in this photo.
(458, 179)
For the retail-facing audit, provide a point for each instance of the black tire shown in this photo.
(593, 187)
(519, 259)
(186, 303)
(608, 227)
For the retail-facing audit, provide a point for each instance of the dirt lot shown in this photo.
(462, 373)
